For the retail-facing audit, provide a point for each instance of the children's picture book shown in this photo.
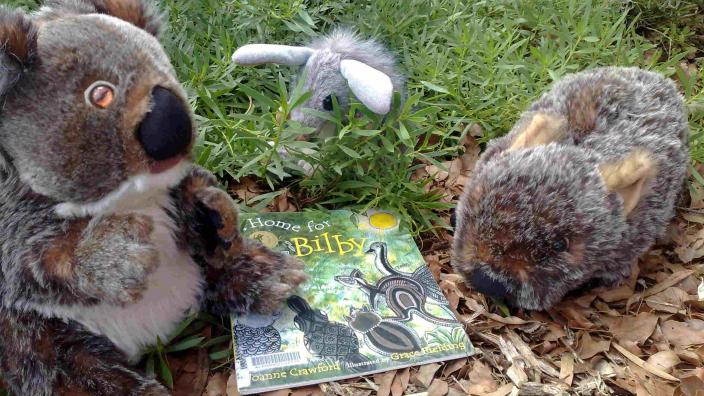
(371, 304)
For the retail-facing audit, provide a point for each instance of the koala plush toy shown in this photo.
(577, 191)
(110, 236)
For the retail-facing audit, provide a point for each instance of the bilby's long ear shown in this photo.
(141, 13)
(257, 54)
(18, 46)
(372, 87)
(629, 177)
(540, 130)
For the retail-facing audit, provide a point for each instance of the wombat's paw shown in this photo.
(118, 258)
(221, 213)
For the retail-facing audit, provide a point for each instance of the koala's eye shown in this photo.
(560, 245)
(327, 103)
(100, 94)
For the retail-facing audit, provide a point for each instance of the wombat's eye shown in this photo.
(560, 245)
(100, 94)
(327, 103)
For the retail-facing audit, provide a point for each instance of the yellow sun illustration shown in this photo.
(266, 238)
(382, 220)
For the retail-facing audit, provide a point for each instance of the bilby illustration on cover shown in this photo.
(371, 304)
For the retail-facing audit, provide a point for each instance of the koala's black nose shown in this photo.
(166, 130)
(484, 284)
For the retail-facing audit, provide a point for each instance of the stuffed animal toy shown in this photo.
(331, 67)
(110, 236)
(581, 187)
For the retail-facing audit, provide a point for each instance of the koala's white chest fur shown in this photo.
(174, 289)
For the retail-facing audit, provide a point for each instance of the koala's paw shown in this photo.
(117, 257)
(283, 274)
(221, 213)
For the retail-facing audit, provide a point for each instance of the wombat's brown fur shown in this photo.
(109, 235)
(579, 189)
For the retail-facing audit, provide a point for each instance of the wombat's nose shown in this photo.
(484, 284)
(166, 131)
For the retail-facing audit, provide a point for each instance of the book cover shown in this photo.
(371, 304)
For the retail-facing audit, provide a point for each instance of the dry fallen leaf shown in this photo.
(682, 333)
(384, 380)
(217, 385)
(425, 374)
(669, 300)
(671, 280)
(453, 366)
(503, 390)
(481, 380)
(634, 328)
(693, 384)
(401, 381)
(232, 385)
(438, 388)
(643, 364)
(589, 347)
(664, 360)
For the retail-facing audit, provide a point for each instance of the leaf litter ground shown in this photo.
(643, 338)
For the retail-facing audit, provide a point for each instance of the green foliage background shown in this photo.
(477, 62)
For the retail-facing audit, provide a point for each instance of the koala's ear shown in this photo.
(18, 45)
(540, 130)
(629, 177)
(257, 54)
(141, 13)
(372, 87)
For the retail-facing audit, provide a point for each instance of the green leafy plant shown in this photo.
(187, 335)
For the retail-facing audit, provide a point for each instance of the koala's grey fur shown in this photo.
(322, 72)
(519, 202)
(99, 255)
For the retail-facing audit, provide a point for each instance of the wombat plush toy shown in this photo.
(579, 189)
(109, 235)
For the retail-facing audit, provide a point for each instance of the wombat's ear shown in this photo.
(629, 177)
(18, 45)
(540, 130)
(141, 13)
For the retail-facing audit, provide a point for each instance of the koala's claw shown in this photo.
(221, 213)
(285, 277)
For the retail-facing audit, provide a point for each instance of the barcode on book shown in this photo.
(274, 360)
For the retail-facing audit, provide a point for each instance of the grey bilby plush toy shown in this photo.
(109, 235)
(579, 189)
(332, 66)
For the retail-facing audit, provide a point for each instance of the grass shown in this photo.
(468, 63)
(481, 63)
